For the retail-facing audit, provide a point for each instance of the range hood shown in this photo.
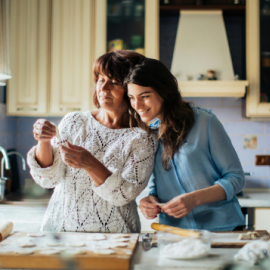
(201, 44)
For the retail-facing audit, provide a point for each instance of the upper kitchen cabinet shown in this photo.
(72, 39)
(29, 58)
(127, 24)
(258, 58)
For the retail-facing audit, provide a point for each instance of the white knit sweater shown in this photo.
(77, 204)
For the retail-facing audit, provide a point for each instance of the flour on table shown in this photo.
(25, 242)
(96, 237)
(75, 244)
(76, 252)
(102, 246)
(38, 234)
(118, 245)
(185, 249)
(115, 236)
(121, 239)
(53, 244)
(25, 251)
(104, 251)
(50, 252)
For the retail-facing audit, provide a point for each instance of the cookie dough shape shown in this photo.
(53, 244)
(75, 252)
(75, 244)
(25, 251)
(50, 252)
(104, 251)
(25, 242)
(118, 245)
(249, 236)
(115, 236)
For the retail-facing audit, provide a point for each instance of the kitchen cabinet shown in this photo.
(29, 58)
(258, 58)
(134, 23)
(262, 219)
(51, 57)
(54, 44)
(72, 32)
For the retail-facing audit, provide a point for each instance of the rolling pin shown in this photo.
(174, 230)
(5, 229)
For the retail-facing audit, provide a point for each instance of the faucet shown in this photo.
(2, 178)
(8, 154)
(5, 157)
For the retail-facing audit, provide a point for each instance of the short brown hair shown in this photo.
(115, 65)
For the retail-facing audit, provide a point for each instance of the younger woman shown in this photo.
(197, 172)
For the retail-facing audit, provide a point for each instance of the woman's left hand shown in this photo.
(76, 156)
(179, 206)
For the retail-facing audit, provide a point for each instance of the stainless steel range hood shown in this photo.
(201, 45)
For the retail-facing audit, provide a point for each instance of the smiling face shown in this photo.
(145, 100)
(110, 93)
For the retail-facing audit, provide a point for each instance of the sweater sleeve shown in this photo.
(126, 183)
(225, 158)
(51, 176)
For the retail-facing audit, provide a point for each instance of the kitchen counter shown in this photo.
(255, 199)
(28, 219)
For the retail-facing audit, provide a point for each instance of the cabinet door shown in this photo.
(29, 55)
(258, 58)
(72, 37)
(262, 219)
(129, 24)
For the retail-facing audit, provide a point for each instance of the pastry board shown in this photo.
(90, 260)
(230, 239)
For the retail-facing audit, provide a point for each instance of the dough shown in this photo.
(53, 244)
(115, 236)
(117, 245)
(50, 252)
(104, 251)
(75, 244)
(75, 252)
(96, 237)
(121, 240)
(25, 251)
(249, 236)
(36, 234)
(25, 242)
(5, 229)
(102, 246)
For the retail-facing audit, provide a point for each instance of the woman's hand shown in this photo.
(149, 208)
(76, 156)
(43, 130)
(179, 206)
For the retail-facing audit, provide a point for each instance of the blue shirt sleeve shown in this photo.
(225, 159)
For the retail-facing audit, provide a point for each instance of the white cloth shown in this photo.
(77, 204)
(254, 251)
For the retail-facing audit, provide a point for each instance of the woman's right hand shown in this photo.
(43, 130)
(149, 208)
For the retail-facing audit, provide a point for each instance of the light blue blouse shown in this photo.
(207, 158)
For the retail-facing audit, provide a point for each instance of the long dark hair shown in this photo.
(176, 118)
(115, 65)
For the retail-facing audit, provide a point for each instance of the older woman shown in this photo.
(100, 165)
